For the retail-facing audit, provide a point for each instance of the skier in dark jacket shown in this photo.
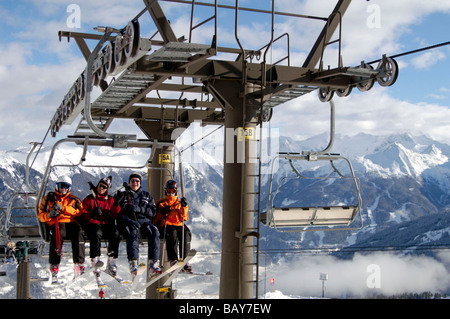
(135, 222)
(99, 216)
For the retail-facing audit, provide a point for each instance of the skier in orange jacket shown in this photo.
(58, 210)
(170, 217)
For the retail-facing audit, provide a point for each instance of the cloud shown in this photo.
(364, 275)
(30, 94)
(37, 70)
(427, 59)
(374, 112)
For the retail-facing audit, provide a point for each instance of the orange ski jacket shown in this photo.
(175, 215)
(71, 207)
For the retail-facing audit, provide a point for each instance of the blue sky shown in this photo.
(36, 70)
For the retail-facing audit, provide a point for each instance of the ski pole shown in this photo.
(57, 236)
(182, 238)
(164, 240)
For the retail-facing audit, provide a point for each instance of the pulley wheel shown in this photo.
(389, 72)
(80, 87)
(325, 94)
(267, 114)
(131, 39)
(119, 56)
(344, 92)
(365, 84)
(109, 58)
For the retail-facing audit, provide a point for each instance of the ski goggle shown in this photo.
(171, 191)
(64, 185)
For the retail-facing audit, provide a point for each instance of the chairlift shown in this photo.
(313, 218)
(90, 141)
(17, 224)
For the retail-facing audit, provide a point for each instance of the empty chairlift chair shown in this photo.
(313, 217)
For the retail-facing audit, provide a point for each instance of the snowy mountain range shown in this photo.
(403, 178)
(404, 182)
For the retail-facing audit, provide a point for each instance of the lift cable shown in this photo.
(414, 51)
(202, 138)
(330, 250)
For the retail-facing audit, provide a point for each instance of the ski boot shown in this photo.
(111, 267)
(134, 267)
(96, 264)
(78, 269)
(153, 267)
(54, 269)
(187, 269)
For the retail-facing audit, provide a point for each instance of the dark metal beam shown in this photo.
(232, 70)
(179, 102)
(161, 22)
(314, 54)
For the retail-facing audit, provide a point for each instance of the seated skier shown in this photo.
(170, 217)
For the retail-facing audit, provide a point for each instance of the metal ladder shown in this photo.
(250, 235)
(288, 95)
(120, 92)
(123, 90)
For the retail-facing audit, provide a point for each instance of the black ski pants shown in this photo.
(97, 232)
(74, 233)
(174, 241)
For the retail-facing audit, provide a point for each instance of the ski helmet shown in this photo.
(63, 182)
(171, 184)
(106, 181)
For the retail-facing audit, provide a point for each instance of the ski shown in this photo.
(100, 282)
(117, 278)
(173, 270)
(97, 266)
(139, 272)
(135, 276)
(56, 281)
(193, 273)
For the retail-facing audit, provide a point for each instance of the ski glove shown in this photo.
(56, 210)
(165, 210)
(118, 198)
(183, 202)
(96, 212)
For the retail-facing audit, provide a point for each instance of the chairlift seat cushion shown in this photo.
(25, 232)
(310, 216)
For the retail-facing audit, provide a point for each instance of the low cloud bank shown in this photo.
(362, 276)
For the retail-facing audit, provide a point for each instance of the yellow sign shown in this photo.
(248, 132)
(164, 158)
